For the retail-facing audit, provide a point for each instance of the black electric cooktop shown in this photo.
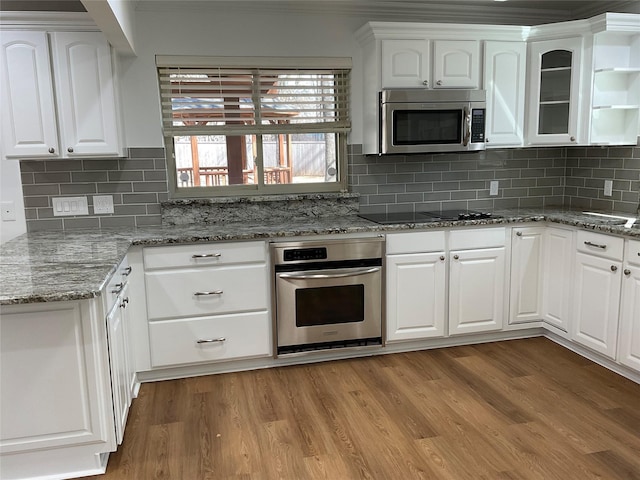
(426, 217)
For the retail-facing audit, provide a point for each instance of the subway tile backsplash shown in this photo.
(528, 177)
(137, 184)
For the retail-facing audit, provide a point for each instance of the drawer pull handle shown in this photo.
(204, 294)
(211, 340)
(206, 255)
(597, 245)
(118, 289)
(127, 271)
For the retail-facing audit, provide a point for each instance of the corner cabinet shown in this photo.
(554, 93)
(527, 274)
(59, 95)
(629, 335)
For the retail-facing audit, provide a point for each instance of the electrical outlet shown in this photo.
(608, 188)
(69, 206)
(102, 204)
(493, 188)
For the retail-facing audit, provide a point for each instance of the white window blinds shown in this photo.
(202, 99)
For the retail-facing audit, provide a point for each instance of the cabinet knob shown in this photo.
(442, 257)
(519, 234)
(614, 268)
(70, 149)
(124, 302)
(627, 272)
(456, 257)
(486, 140)
(439, 82)
(425, 83)
(52, 150)
(573, 139)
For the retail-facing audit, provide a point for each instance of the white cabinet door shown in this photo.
(504, 81)
(416, 296)
(558, 279)
(525, 303)
(456, 64)
(596, 303)
(476, 290)
(85, 94)
(119, 359)
(629, 343)
(28, 115)
(405, 63)
(554, 94)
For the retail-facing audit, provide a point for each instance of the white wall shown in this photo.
(226, 34)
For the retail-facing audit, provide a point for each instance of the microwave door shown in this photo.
(420, 128)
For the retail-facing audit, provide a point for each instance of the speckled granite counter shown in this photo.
(73, 265)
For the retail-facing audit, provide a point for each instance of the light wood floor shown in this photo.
(521, 409)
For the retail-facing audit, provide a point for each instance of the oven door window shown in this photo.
(427, 127)
(329, 305)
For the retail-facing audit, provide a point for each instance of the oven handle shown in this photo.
(317, 275)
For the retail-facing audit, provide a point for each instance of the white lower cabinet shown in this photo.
(527, 274)
(629, 337)
(207, 303)
(416, 295)
(476, 290)
(596, 302)
(55, 401)
(558, 276)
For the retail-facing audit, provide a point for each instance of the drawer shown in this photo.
(175, 342)
(633, 254)
(205, 255)
(477, 238)
(172, 293)
(415, 242)
(601, 245)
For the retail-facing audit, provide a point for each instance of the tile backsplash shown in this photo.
(527, 177)
(137, 184)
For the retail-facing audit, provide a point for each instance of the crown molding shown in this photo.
(51, 21)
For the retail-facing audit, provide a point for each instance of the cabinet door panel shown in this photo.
(28, 112)
(415, 296)
(456, 63)
(526, 275)
(629, 353)
(86, 94)
(405, 63)
(557, 278)
(596, 303)
(476, 291)
(504, 81)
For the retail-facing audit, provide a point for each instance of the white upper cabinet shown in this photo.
(554, 93)
(28, 116)
(504, 81)
(456, 64)
(405, 63)
(60, 105)
(85, 93)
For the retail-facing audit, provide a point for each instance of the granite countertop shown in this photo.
(74, 265)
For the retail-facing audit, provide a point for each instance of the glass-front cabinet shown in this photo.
(554, 99)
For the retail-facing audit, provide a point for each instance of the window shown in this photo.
(254, 126)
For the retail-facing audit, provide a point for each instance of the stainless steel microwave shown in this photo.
(424, 121)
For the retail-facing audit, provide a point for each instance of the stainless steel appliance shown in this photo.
(423, 121)
(327, 294)
(427, 217)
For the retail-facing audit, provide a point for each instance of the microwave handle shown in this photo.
(466, 126)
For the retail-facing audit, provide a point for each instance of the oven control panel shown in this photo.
(298, 254)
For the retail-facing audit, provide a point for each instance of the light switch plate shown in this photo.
(608, 188)
(8, 210)
(102, 204)
(69, 206)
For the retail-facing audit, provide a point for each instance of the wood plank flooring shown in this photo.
(520, 409)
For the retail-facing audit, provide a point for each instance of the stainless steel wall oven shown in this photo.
(327, 294)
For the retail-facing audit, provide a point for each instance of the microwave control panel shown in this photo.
(477, 125)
